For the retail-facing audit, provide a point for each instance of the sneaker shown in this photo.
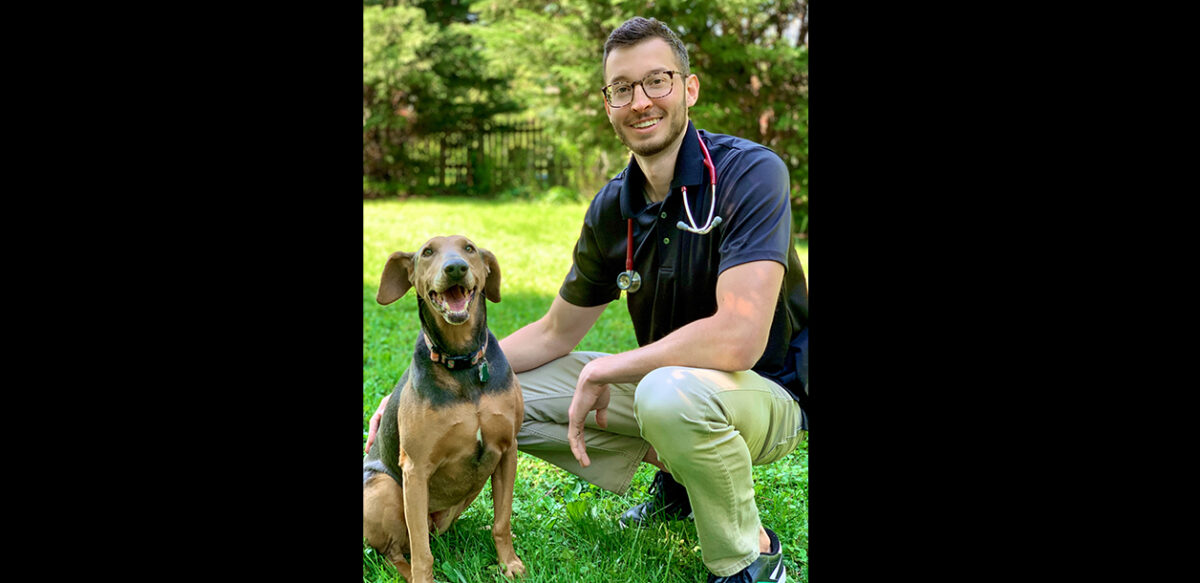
(768, 568)
(668, 501)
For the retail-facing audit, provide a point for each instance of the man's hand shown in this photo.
(375, 419)
(590, 395)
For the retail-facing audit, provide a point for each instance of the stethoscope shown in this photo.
(629, 280)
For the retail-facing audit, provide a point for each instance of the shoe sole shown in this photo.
(782, 574)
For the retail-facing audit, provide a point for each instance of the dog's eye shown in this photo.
(469, 249)
(427, 252)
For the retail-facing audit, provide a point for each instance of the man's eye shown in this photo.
(621, 89)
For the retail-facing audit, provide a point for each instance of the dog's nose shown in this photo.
(455, 269)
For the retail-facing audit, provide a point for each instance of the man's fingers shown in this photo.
(579, 449)
(587, 398)
(575, 433)
(376, 419)
(371, 433)
(575, 439)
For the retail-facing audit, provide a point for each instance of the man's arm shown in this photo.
(733, 339)
(552, 336)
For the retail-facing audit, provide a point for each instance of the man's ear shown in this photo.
(692, 86)
(491, 289)
(397, 278)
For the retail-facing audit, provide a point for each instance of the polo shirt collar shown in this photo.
(689, 171)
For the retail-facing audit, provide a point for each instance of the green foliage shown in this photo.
(421, 76)
(536, 60)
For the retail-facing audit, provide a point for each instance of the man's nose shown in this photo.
(640, 104)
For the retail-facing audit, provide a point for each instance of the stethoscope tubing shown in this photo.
(712, 221)
(630, 280)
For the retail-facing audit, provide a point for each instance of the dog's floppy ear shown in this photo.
(491, 290)
(397, 278)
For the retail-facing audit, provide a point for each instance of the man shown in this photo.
(719, 308)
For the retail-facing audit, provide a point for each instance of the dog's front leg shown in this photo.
(503, 480)
(416, 513)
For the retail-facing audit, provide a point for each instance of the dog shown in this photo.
(451, 422)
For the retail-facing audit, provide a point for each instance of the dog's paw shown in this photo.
(514, 568)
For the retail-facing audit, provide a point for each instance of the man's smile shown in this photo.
(645, 124)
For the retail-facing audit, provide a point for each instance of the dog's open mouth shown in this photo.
(453, 303)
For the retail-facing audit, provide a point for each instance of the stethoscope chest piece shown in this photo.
(629, 281)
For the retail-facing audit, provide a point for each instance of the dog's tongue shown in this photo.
(456, 298)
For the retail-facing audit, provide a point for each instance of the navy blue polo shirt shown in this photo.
(679, 269)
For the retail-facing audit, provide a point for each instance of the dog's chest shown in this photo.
(470, 444)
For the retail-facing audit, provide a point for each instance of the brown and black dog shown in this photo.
(452, 421)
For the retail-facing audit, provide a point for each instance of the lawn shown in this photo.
(563, 528)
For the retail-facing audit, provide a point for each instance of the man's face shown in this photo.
(647, 126)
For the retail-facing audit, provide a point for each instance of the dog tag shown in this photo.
(483, 371)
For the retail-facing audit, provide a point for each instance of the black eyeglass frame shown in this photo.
(670, 77)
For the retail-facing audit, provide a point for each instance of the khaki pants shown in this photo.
(708, 427)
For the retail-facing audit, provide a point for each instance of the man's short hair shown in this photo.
(638, 29)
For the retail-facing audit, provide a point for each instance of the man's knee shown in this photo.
(663, 399)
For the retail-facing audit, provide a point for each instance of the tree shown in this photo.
(421, 76)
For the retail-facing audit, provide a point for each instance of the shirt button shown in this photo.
(666, 241)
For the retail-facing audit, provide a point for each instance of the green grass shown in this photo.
(564, 528)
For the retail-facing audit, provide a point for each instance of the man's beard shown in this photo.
(677, 124)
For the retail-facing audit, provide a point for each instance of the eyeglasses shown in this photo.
(656, 85)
